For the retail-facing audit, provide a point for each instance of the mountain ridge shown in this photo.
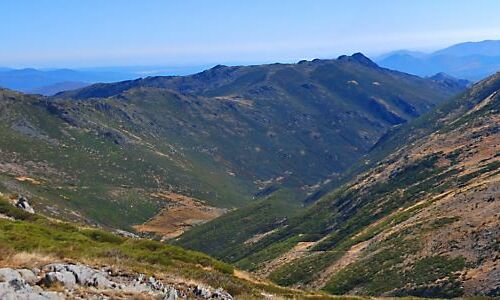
(223, 137)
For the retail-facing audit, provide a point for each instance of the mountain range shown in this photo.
(469, 60)
(220, 137)
(336, 175)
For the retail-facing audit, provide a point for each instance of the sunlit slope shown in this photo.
(410, 225)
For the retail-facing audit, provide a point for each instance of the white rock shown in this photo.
(8, 274)
(28, 276)
(83, 274)
(65, 278)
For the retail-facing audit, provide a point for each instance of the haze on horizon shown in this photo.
(91, 33)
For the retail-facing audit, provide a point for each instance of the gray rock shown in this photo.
(28, 276)
(171, 294)
(221, 294)
(83, 274)
(36, 271)
(18, 289)
(100, 281)
(19, 285)
(8, 274)
(4, 289)
(64, 278)
(55, 267)
(23, 204)
(155, 284)
(127, 234)
(50, 296)
(37, 289)
(202, 292)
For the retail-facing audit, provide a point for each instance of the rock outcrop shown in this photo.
(82, 282)
(23, 204)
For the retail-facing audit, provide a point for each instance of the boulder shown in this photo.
(8, 274)
(16, 289)
(171, 294)
(23, 204)
(83, 274)
(64, 278)
(55, 267)
(20, 286)
(202, 292)
(221, 294)
(28, 276)
(100, 281)
(155, 284)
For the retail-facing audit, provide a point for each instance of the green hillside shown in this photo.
(43, 240)
(400, 227)
(107, 153)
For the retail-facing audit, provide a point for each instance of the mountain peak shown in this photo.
(358, 57)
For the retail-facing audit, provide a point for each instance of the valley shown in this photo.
(109, 147)
(241, 150)
(432, 199)
(336, 176)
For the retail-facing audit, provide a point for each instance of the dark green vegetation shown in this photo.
(224, 136)
(407, 172)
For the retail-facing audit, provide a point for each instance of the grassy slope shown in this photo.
(88, 169)
(66, 241)
(302, 121)
(343, 214)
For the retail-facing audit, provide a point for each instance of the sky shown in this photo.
(94, 33)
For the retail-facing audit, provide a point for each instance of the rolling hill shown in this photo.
(419, 216)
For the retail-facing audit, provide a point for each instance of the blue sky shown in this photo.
(84, 33)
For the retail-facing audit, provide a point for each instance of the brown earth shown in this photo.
(181, 214)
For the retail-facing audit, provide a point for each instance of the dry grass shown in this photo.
(182, 213)
(8, 258)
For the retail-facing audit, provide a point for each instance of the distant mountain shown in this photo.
(401, 52)
(49, 82)
(419, 216)
(472, 60)
(58, 87)
(450, 81)
(484, 48)
(27, 80)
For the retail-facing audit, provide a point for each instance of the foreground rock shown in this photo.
(76, 281)
(23, 204)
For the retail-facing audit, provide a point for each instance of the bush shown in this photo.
(102, 236)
